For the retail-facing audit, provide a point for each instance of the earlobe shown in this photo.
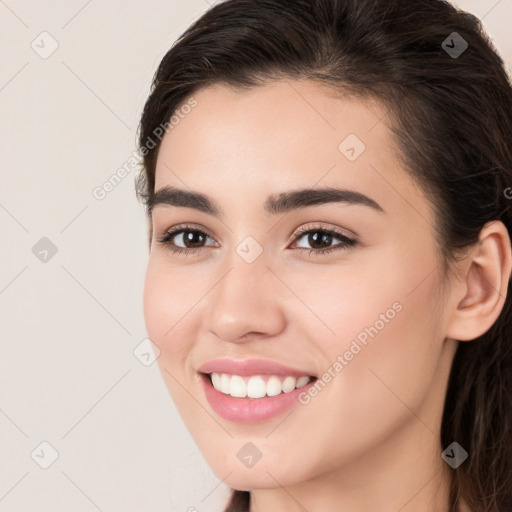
(484, 285)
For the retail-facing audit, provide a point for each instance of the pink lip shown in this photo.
(251, 367)
(250, 410)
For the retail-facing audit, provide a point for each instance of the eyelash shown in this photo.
(346, 242)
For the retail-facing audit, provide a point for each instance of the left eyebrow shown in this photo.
(276, 203)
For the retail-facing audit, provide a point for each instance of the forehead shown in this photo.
(288, 134)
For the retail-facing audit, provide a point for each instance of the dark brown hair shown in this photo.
(451, 119)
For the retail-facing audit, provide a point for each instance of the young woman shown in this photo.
(328, 186)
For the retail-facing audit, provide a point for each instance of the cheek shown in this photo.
(157, 306)
(168, 297)
(384, 342)
(387, 301)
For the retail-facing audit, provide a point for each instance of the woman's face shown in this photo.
(366, 314)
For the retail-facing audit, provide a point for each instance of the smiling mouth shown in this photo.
(256, 386)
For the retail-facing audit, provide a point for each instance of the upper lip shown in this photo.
(248, 367)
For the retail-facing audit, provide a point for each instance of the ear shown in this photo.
(480, 295)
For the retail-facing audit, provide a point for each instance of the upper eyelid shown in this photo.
(185, 227)
(336, 230)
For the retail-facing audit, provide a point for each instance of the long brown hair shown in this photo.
(451, 118)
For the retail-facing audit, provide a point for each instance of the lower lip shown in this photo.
(250, 410)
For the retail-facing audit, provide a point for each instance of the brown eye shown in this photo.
(321, 239)
(184, 239)
(190, 239)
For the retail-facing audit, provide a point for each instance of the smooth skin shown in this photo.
(369, 441)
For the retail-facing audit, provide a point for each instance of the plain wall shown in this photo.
(70, 324)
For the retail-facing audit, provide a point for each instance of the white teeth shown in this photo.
(216, 381)
(237, 387)
(255, 386)
(224, 383)
(289, 384)
(301, 381)
(273, 386)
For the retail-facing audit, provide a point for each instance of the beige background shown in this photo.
(69, 326)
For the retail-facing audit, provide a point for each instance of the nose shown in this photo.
(246, 302)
